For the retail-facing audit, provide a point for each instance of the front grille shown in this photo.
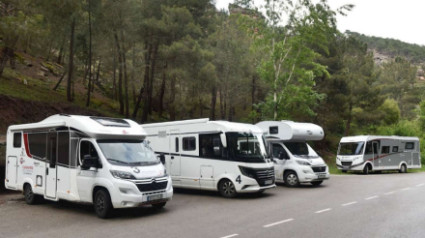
(346, 163)
(264, 175)
(319, 169)
(145, 187)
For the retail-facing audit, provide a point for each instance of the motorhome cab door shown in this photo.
(175, 152)
(51, 175)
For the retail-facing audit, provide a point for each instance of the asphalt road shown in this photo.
(381, 205)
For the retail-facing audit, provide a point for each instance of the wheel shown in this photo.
(367, 169)
(291, 179)
(403, 169)
(159, 205)
(316, 183)
(30, 197)
(102, 203)
(227, 189)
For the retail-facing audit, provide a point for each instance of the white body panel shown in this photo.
(378, 152)
(309, 168)
(189, 169)
(55, 179)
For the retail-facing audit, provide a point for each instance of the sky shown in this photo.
(397, 19)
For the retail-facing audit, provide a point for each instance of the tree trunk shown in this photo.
(90, 59)
(4, 58)
(151, 79)
(162, 90)
(59, 82)
(253, 90)
(172, 103)
(120, 95)
(146, 76)
(126, 99)
(114, 82)
(71, 62)
(213, 102)
(348, 124)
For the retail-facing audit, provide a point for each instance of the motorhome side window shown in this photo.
(277, 150)
(385, 150)
(63, 148)
(177, 144)
(189, 143)
(210, 146)
(409, 145)
(87, 148)
(395, 148)
(273, 130)
(17, 140)
(37, 143)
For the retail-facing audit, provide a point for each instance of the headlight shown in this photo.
(300, 162)
(247, 171)
(122, 174)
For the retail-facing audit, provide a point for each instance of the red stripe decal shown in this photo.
(27, 148)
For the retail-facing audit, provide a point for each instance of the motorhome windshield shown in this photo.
(127, 153)
(245, 147)
(300, 149)
(351, 148)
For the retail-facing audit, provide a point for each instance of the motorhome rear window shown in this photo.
(112, 122)
(189, 143)
(409, 145)
(17, 140)
(273, 130)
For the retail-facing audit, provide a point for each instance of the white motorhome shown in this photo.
(376, 153)
(294, 160)
(213, 155)
(96, 160)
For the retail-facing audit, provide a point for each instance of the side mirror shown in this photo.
(89, 162)
(162, 158)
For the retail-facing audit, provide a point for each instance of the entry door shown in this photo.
(375, 149)
(175, 152)
(51, 175)
(12, 171)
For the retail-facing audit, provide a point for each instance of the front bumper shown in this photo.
(127, 194)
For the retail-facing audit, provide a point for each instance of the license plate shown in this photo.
(268, 182)
(154, 197)
(321, 176)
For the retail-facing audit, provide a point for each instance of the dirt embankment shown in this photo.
(19, 111)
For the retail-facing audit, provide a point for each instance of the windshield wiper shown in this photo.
(118, 161)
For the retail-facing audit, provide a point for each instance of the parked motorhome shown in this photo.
(213, 155)
(294, 160)
(96, 160)
(376, 153)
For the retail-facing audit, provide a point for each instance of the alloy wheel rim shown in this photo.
(228, 188)
(100, 203)
(292, 179)
(29, 194)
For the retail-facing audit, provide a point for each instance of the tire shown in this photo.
(403, 169)
(316, 183)
(291, 179)
(227, 188)
(159, 205)
(102, 204)
(30, 197)
(366, 169)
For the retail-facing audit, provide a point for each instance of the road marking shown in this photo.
(389, 193)
(348, 204)
(232, 235)
(277, 223)
(373, 197)
(420, 185)
(324, 210)
(405, 189)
